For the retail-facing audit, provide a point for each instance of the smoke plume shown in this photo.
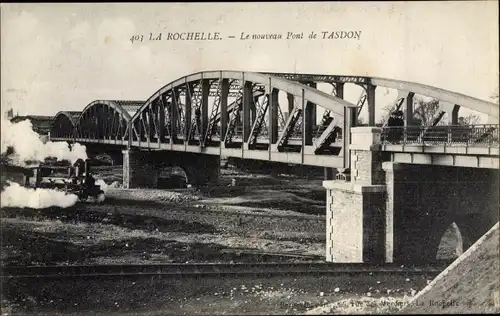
(23, 145)
(15, 195)
(104, 186)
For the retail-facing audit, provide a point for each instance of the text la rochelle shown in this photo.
(178, 36)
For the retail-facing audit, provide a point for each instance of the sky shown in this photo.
(63, 56)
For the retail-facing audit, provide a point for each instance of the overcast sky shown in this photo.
(63, 56)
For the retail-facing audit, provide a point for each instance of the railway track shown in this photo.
(240, 251)
(215, 269)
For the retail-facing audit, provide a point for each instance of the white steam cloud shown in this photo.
(22, 146)
(15, 195)
(104, 186)
(28, 146)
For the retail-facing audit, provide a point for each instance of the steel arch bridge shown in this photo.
(238, 114)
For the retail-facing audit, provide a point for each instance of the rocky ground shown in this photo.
(209, 296)
(190, 225)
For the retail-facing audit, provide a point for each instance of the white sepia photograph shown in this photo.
(250, 158)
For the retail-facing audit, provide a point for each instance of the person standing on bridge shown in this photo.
(397, 123)
(393, 124)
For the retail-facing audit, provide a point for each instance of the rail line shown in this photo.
(272, 254)
(214, 269)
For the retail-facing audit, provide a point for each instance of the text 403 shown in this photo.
(137, 38)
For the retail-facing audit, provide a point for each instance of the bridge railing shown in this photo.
(469, 135)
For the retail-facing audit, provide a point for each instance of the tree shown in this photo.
(360, 121)
(470, 119)
(386, 110)
(426, 111)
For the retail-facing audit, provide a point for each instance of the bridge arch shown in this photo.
(467, 228)
(449, 102)
(174, 177)
(64, 124)
(449, 98)
(451, 243)
(245, 106)
(106, 119)
(332, 103)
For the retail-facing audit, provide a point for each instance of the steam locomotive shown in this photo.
(75, 179)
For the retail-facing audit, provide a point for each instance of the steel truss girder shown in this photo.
(213, 93)
(361, 101)
(256, 91)
(234, 118)
(327, 137)
(208, 129)
(195, 94)
(258, 122)
(337, 91)
(259, 91)
(289, 126)
(63, 127)
(101, 121)
(157, 120)
(211, 130)
(175, 114)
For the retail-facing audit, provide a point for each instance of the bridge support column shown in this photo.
(354, 224)
(329, 173)
(391, 204)
(139, 170)
(370, 99)
(355, 209)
